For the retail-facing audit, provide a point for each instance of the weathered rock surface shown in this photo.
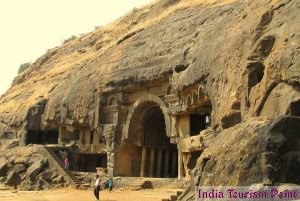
(245, 54)
(48, 175)
(13, 178)
(30, 174)
(18, 168)
(34, 170)
(41, 185)
(3, 166)
(260, 151)
(26, 185)
(239, 50)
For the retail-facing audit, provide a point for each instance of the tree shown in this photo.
(23, 67)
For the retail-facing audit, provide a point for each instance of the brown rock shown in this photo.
(3, 166)
(18, 168)
(13, 179)
(34, 170)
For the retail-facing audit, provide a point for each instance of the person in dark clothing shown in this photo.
(97, 187)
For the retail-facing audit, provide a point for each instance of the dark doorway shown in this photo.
(52, 137)
(148, 151)
(161, 159)
(197, 124)
(89, 162)
(42, 137)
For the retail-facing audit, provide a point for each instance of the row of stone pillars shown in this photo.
(161, 163)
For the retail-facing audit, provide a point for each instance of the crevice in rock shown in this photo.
(294, 109)
(193, 160)
(263, 49)
(255, 74)
(231, 119)
(181, 67)
(204, 162)
(266, 45)
(236, 105)
(129, 35)
(266, 18)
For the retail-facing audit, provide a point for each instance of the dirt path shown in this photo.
(86, 195)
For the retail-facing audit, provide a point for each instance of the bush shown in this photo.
(170, 2)
(23, 67)
(69, 39)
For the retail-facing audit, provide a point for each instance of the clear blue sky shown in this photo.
(30, 27)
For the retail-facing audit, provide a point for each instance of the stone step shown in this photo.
(58, 160)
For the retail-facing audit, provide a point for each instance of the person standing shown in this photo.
(110, 184)
(97, 187)
(67, 163)
(207, 121)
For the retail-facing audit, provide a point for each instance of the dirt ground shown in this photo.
(85, 195)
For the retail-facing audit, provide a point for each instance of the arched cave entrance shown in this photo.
(159, 156)
(148, 151)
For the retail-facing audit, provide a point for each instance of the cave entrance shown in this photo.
(159, 157)
(90, 162)
(42, 137)
(147, 152)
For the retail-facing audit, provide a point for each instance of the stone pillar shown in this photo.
(166, 173)
(151, 166)
(159, 160)
(143, 162)
(174, 166)
(180, 165)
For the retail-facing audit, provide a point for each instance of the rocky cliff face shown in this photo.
(245, 54)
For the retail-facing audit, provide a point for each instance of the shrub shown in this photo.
(23, 67)
(70, 39)
(170, 2)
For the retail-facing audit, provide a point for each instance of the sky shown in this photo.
(28, 28)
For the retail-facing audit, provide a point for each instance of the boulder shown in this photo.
(26, 185)
(20, 160)
(2, 179)
(37, 158)
(58, 180)
(41, 185)
(12, 144)
(48, 175)
(13, 179)
(34, 170)
(19, 168)
(3, 166)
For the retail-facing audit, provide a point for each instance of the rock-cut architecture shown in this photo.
(202, 90)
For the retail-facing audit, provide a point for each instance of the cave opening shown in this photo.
(255, 74)
(42, 137)
(197, 123)
(90, 162)
(160, 157)
(148, 151)
(294, 109)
